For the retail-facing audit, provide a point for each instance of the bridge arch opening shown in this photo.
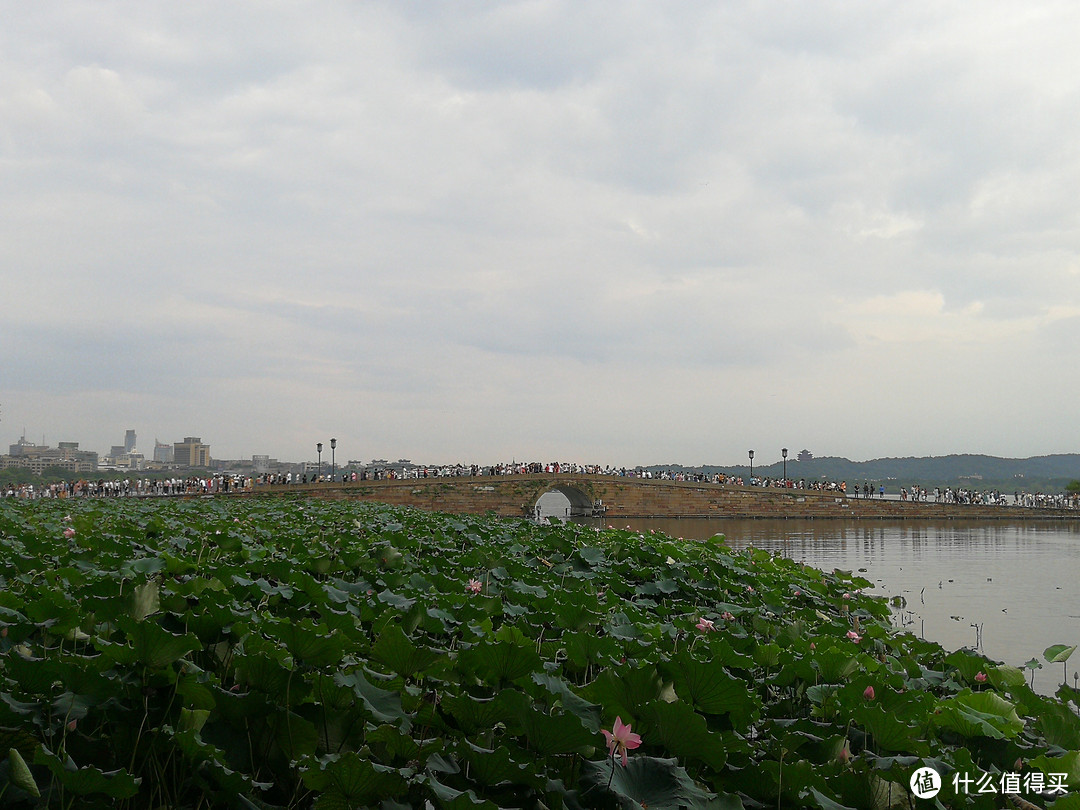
(563, 503)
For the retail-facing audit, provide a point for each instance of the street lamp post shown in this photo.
(751, 468)
(333, 460)
(318, 448)
(783, 452)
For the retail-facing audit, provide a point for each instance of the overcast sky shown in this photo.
(612, 232)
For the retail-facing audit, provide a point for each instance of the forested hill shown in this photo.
(1045, 473)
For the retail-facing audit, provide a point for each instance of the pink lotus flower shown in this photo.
(847, 595)
(727, 617)
(69, 533)
(705, 625)
(854, 636)
(473, 586)
(869, 693)
(980, 677)
(813, 646)
(749, 588)
(620, 739)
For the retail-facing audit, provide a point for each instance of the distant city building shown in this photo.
(806, 455)
(129, 441)
(163, 452)
(132, 461)
(191, 452)
(38, 457)
(260, 464)
(20, 447)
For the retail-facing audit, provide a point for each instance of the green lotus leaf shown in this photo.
(19, 773)
(500, 765)
(574, 614)
(677, 728)
(475, 715)
(148, 565)
(145, 600)
(1005, 678)
(720, 650)
(497, 662)
(821, 693)
(118, 784)
(383, 705)
(645, 782)
(193, 719)
(35, 676)
(711, 689)
(624, 691)
(593, 556)
(549, 734)
(400, 654)
(767, 655)
(396, 744)
(975, 714)
(835, 665)
(1058, 653)
(889, 733)
(1068, 764)
(295, 736)
(54, 610)
(398, 601)
(967, 664)
(452, 799)
(351, 780)
(150, 644)
(307, 643)
(1059, 725)
(263, 672)
(588, 648)
(590, 714)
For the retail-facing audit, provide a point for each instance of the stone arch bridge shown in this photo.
(617, 497)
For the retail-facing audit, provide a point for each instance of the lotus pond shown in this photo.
(278, 653)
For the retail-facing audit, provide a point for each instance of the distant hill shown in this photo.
(1037, 474)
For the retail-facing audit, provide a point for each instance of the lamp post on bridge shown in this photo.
(751, 468)
(318, 448)
(783, 452)
(333, 460)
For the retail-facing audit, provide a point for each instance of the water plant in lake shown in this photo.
(273, 653)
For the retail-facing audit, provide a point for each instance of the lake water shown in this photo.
(1009, 590)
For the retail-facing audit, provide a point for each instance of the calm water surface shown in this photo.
(1009, 590)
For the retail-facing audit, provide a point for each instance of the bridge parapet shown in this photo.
(516, 496)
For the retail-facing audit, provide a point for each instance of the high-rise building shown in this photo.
(129, 441)
(191, 452)
(163, 453)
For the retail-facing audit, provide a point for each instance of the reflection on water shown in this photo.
(1010, 590)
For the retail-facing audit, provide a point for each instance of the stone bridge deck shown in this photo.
(516, 496)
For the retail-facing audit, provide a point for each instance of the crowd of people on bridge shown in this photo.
(128, 487)
(231, 483)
